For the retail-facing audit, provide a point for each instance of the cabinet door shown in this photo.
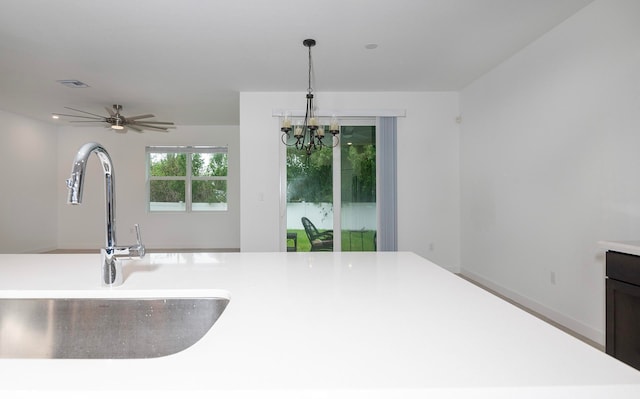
(623, 322)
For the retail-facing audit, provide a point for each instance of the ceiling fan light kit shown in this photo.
(118, 122)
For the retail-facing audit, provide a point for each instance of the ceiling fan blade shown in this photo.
(150, 127)
(133, 127)
(86, 121)
(153, 122)
(110, 111)
(82, 116)
(149, 124)
(133, 118)
(84, 112)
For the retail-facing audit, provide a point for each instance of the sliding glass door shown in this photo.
(358, 222)
(331, 195)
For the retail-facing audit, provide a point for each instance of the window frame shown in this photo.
(188, 178)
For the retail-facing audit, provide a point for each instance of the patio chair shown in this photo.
(320, 241)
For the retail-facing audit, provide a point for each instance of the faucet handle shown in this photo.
(137, 250)
(138, 237)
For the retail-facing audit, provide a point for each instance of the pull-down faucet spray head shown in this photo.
(74, 184)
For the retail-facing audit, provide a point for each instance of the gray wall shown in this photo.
(550, 164)
(28, 203)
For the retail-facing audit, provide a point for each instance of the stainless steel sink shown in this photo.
(104, 328)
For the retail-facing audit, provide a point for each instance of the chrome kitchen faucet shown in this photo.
(111, 254)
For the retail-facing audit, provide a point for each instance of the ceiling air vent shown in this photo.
(74, 84)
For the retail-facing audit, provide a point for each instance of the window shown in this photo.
(187, 179)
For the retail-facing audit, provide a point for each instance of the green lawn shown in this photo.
(359, 240)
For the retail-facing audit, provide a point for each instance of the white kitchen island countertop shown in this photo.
(318, 325)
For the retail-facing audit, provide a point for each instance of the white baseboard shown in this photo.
(586, 331)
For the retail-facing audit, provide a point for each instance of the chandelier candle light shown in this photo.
(309, 134)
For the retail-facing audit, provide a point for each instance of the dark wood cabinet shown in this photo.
(623, 307)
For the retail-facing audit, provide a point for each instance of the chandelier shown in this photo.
(308, 135)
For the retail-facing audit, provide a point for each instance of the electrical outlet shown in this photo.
(552, 277)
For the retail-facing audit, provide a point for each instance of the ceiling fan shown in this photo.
(119, 122)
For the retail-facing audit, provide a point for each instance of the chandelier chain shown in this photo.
(309, 89)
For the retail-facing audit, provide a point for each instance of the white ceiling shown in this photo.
(187, 60)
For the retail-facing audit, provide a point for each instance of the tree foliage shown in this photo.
(175, 165)
(310, 178)
(362, 160)
(168, 190)
(209, 191)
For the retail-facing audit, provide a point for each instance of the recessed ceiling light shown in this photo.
(54, 116)
(371, 46)
(74, 84)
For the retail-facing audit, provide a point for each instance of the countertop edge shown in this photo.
(627, 247)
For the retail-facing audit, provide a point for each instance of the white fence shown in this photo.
(181, 207)
(355, 216)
